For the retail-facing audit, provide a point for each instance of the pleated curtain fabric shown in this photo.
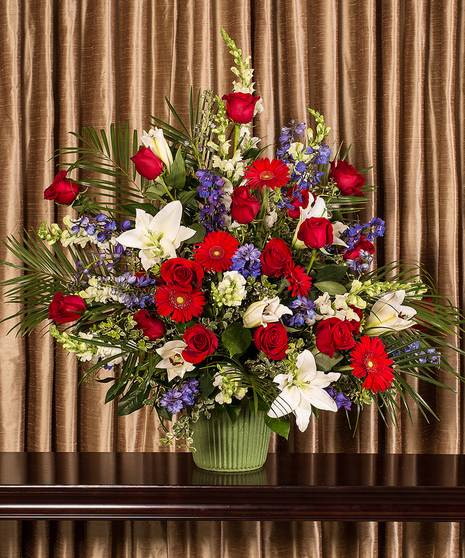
(388, 75)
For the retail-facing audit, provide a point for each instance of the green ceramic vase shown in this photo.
(226, 447)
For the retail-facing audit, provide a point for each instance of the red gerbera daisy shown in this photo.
(370, 361)
(183, 305)
(299, 282)
(264, 172)
(216, 251)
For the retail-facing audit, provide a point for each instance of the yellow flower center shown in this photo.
(266, 175)
(370, 364)
(180, 300)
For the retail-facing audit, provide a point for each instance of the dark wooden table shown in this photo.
(334, 487)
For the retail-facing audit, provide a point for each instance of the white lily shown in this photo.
(155, 141)
(316, 208)
(301, 389)
(175, 365)
(263, 312)
(157, 237)
(387, 315)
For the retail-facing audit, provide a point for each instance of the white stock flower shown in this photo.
(387, 315)
(231, 290)
(175, 365)
(264, 312)
(157, 237)
(156, 142)
(302, 389)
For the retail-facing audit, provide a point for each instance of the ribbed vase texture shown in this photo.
(224, 446)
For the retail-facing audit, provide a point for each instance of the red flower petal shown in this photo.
(263, 172)
(181, 304)
(216, 251)
(370, 361)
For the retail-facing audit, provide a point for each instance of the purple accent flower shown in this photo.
(246, 261)
(175, 400)
(303, 311)
(213, 211)
(340, 399)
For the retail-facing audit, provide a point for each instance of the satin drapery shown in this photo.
(389, 77)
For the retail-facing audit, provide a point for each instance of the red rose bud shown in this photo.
(62, 190)
(346, 178)
(65, 309)
(182, 274)
(147, 163)
(334, 335)
(201, 343)
(244, 207)
(152, 327)
(275, 258)
(362, 244)
(316, 232)
(240, 106)
(272, 340)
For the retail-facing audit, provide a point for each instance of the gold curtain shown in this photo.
(388, 75)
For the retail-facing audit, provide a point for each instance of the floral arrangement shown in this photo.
(201, 273)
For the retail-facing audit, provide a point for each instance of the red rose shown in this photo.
(147, 163)
(201, 343)
(334, 335)
(316, 232)
(347, 179)
(65, 309)
(244, 207)
(275, 257)
(354, 323)
(184, 275)
(152, 327)
(362, 244)
(297, 204)
(272, 340)
(62, 190)
(240, 106)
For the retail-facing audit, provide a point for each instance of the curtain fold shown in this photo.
(389, 76)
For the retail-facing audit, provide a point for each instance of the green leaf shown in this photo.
(233, 412)
(325, 363)
(186, 197)
(133, 401)
(147, 207)
(236, 338)
(176, 178)
(332, 273)
(330, 287)
(156, 189)
(199, 235)
(113, 392)
(206, 386)
(280, 425)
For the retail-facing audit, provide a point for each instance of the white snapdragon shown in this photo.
(231, 290)
(229, 387)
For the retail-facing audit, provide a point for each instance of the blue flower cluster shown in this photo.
(305, 175)
(101, 226)
(127, 287)
(369, 231)
(340, 399)
(303, 309)
(430, 356)
(213, 211)
(246, 261)
(175, 400)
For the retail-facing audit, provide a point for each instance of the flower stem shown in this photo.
(310, 265)
(236, 137)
